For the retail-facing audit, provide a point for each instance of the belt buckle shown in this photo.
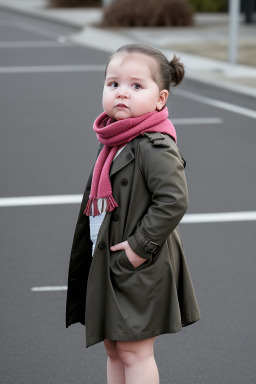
(150, 249)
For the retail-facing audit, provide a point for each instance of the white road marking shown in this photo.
(39, 200)
(219, 217)
(218, 104)
(32, 28)
(76, 199)
(197, 121)
(35, 44)
(55, 68)
(50, 288)
(37, 30)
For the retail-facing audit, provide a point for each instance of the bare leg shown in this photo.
(139, 361)
(115, 366)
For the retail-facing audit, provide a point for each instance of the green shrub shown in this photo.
(148, 13)
(209, 5)
(74, 3)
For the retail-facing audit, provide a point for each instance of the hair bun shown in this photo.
(177, 71)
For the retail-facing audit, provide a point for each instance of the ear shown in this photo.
(163, 96)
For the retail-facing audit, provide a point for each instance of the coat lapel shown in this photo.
(124, 158)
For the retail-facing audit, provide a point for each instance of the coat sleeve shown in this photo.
(162, 167)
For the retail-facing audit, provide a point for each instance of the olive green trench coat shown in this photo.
(123, 302)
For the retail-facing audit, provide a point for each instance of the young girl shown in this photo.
(127, 263)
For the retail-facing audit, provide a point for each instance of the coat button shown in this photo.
(101, 245)
(124, 182)
(129, 156)
(115, 217)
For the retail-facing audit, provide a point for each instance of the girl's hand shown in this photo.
(134, 259)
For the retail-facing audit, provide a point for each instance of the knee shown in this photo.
(110, 347)
(132, 352)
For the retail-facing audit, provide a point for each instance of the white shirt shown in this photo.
(95, 222)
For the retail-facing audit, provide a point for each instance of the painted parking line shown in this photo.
(49, 288)
(218, 104)
(220, 217)
(35, 44)
(31, 28)
(76, 199)
(35, 29)
(197, 121)
(39, 200)
(28, 28)
(53, 68)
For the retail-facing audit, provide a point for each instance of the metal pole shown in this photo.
(106, 3)
(234, 12)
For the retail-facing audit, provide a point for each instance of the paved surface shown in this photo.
(48, 149)
(202, 47)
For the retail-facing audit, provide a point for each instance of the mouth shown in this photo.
(122, 106)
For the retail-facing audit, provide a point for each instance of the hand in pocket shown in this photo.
(134, 259)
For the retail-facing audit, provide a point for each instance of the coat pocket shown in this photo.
(125, 262)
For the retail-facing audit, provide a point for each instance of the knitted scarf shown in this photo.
(114, 134)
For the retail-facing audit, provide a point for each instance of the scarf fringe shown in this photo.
(93, 202)
(111, 204)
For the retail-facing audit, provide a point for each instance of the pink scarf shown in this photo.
(114, 134)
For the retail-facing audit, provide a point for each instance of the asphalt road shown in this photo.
(47, 147)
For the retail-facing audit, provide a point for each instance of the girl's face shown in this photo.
(129, 88)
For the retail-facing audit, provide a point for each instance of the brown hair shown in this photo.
(168, 74)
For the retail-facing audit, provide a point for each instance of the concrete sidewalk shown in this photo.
(209, 37)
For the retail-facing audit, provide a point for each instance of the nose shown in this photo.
(122, 93)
